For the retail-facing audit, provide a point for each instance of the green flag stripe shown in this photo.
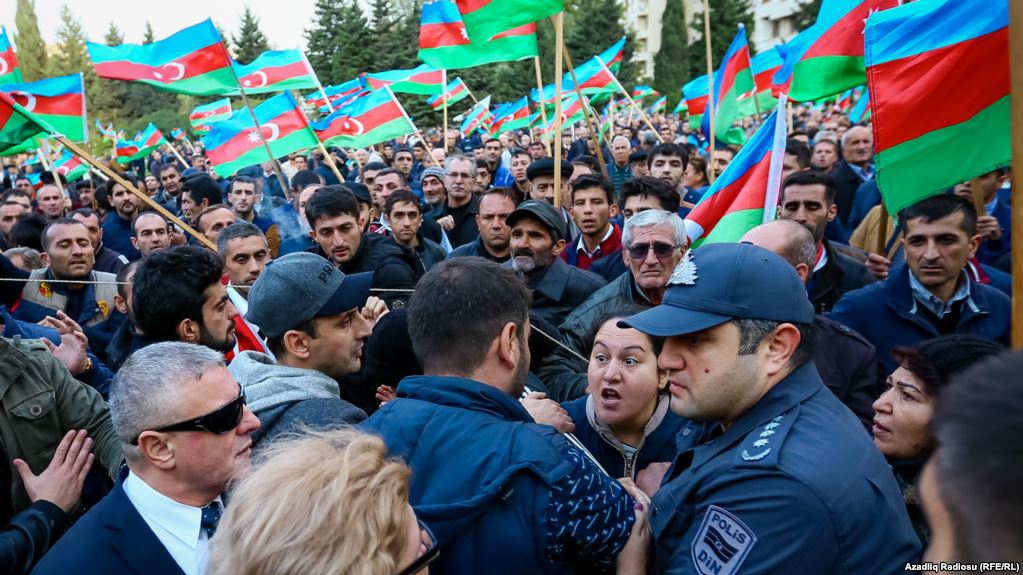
(394, 129)
(826, 76)
(210, 84)
(297, 140)
(733, 225)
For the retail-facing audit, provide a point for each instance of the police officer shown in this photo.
(785, 480)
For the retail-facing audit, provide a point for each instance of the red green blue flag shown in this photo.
(60, 102)
(765, 66)
(10, 73)
(370, 119)
(594, 78)
(191, 61)
(489, 18)
(659, 106)
(202, 117)
(745, 195)
(612, 56)
(512, 115)
(445, 42)
(938, 74)
(141, 146)
(861, 110)
(731, 80)
(338, 92)
(70, 166)
(827, 57)
(106, 132)
(18, 125)
(275, 71)
(455, 92)
(696, 93)
(235, 143)
(423, 80)
(642, 91)
(476, 118)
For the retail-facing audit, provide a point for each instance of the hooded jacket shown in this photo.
(286, 399)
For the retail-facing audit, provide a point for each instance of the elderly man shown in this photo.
(855, 167)
(537, 239)
(654, 243)
(458, 215)
(184, 428)
(620, 169)
(759, 490)
(51, 202)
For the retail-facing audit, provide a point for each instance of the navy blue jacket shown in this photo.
(117, 236)
(885, 314)
(111, 538)
(793, 485)
(482, 473)
(991, 250)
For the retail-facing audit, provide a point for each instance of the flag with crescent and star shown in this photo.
(191, 61)
(338, 94)
(445, 42)
(235, 143)
(456, 92)
(275, 71)
(18, 125)
(424, 80)
(59, 101)
(140, 146)
(369, 119)
(205, 115)
(487, 19)
(70, 166)
(9, 70)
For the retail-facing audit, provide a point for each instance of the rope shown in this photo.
(55, 281)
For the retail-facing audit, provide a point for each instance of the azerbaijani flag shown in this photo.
(476, 117)
(69, 166)
(861, 111)
(489, 18)
(696, 93)
(594, 78)
(765, 66)
(734, 78)
(660, 105)
(512, 115)
(9, 71)
(108, 131)
(612, 56)
(60, 102)
(422, 79)
(827, 57)
(370, 119)
(202, 117)
(445, 42)
(336, 92)
(177, 133)
(234, 143)
(456, 92)
(150, 139)
(938, 74)
(191, 61)
(642, 91)
(275, 71)
(681, 106)
(746, 193)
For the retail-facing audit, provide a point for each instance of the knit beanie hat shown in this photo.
(432, 171)
(949, 355)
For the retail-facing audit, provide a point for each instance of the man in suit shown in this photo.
(855, 168)
(184, 428)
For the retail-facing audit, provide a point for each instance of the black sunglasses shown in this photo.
(221, 420)
(428, 556)
(640, 251)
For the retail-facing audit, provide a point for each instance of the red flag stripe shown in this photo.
(196, 63)
(845, 37)
(370, 120)
(442, 34)
(274, 74)
(63, 105)
(286, 123)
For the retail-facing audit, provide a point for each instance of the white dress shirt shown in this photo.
(176, 525)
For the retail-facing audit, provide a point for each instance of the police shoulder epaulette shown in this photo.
(763, 445)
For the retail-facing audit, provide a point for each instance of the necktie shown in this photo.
(210, 517)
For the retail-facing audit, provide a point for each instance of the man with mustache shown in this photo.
(537, 240)
(117, 225)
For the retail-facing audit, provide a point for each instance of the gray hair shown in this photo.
(650, 218)
(145, 393)
(460, 158)
(28, 255)
(846, 135)
(236, 231)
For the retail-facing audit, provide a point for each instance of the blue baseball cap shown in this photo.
(720, 282)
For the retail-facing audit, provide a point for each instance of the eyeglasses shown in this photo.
(428, 555)
(661, 250)
(219, 421)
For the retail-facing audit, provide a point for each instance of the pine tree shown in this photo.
(671, 65)
(388, 43)
(31, 49)
(250, 41)
(725, 17)
(805, 14)
(324, 39)
(71, 56)
(596, 25)
(147, 37)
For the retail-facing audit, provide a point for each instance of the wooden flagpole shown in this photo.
(711, 145)
(127, 185)
(444, 104)
(588, 112)
(632, 102)
(543, 107)
(176, 153)
(1016, 102)
(319, 85)
(259, 130)
(413, 124)
(559, 46)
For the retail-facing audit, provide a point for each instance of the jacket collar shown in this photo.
(554, 281)
(132, 539)
(899, 295)
(463, 393)
(605, 431)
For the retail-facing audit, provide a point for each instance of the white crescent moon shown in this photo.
(349, 122)
(256, 74)
(30, 100)
(3, 66)
(275, 131)
(177, 66)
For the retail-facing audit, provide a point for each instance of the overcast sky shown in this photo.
(283, 21)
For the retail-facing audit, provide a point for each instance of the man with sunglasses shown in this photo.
(184, 429)
(315, 319)
(655, 242)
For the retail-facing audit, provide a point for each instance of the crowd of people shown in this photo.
(434, 356)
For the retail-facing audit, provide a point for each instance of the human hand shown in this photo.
(385, 393)
(878, 265)
(447, 222)
(988, 228)
(374, 309)
(650, 478)
(632, 557)
(61, 482)
(71, 352)
(547, 412)
(62, 323)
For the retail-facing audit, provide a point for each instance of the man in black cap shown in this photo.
(537, 239)
(541, 182)
(783, 479)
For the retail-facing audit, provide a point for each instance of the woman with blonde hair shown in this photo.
(322, 503)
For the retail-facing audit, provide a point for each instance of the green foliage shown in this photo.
(806, 14)
(339, 42)
(595, 25)
(147, 36)
(671, 63)
(71, 56)
(250, 41)
(31, 50)
(725, 17)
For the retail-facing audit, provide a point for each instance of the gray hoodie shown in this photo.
(286, 399)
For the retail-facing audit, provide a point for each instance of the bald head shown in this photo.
(858, 146)
(789, 240)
